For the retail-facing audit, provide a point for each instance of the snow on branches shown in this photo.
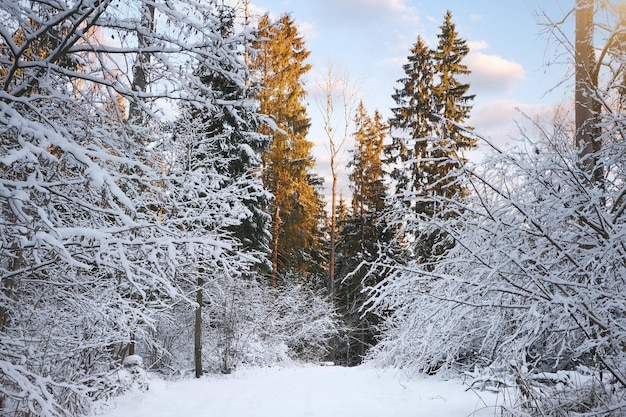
(89, 242)
(531, 270)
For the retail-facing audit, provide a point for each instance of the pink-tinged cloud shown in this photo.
(494, 113)
(501, 120)
(392, 6)
(492, 73)
(355, 10)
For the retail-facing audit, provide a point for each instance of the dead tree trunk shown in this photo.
(587, 106)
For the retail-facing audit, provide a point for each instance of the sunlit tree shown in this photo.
(279, 66)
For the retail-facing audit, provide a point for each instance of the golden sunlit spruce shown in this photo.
(279, 66)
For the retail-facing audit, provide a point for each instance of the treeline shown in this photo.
(394, 163)
(432, 101)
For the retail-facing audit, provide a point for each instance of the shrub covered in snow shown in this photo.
(529, 269)
(94, 229)
(245, 322)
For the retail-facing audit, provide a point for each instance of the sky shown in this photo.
(314, 391)
(514, 63)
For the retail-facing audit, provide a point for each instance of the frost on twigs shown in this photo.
(494, 379)
(566, 393)
(91, 228)
(250, 324)
(531, 272)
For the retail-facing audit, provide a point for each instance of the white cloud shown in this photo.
(357, 10)
(501, 120)
(394, 62)
(495, 114)
(308, 30)
(477, 45)
(489, 73)
(492, 73)
(393, 6)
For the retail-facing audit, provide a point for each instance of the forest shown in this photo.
(160, 209)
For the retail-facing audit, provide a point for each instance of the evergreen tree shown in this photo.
(428, 142)
(413, 120)
(297, 205)
(361, 234)
(432, 103)
(229, 136)
(216, 152)
(453, 104)
(342, 209)
(368, 188)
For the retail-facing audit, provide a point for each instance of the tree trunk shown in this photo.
(587, 106)
(131, 345)
(333, 228)
(8, 284)
(140, 77)
(197, 330)
(348, 96)
(275, 252)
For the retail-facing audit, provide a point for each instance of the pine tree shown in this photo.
(296, 207)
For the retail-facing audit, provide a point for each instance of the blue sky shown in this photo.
(370, 40)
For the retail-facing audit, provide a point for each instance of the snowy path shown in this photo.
(310, 391)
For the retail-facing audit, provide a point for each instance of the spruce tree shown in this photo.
(368, 189)
(453, 104)
(361, 234)
(216, 152)
(232, 126)
(431, 104)
(413, 120)
(287, 163)
(429, 136)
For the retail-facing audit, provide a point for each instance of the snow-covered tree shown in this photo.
(91, 234)
(214, 159)
(531, 275)
(535, 276)
(246, 322)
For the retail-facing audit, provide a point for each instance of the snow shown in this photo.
(311, 391)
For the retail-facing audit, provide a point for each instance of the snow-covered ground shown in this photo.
(307, 391)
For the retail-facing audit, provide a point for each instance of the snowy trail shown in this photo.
(311, 391)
